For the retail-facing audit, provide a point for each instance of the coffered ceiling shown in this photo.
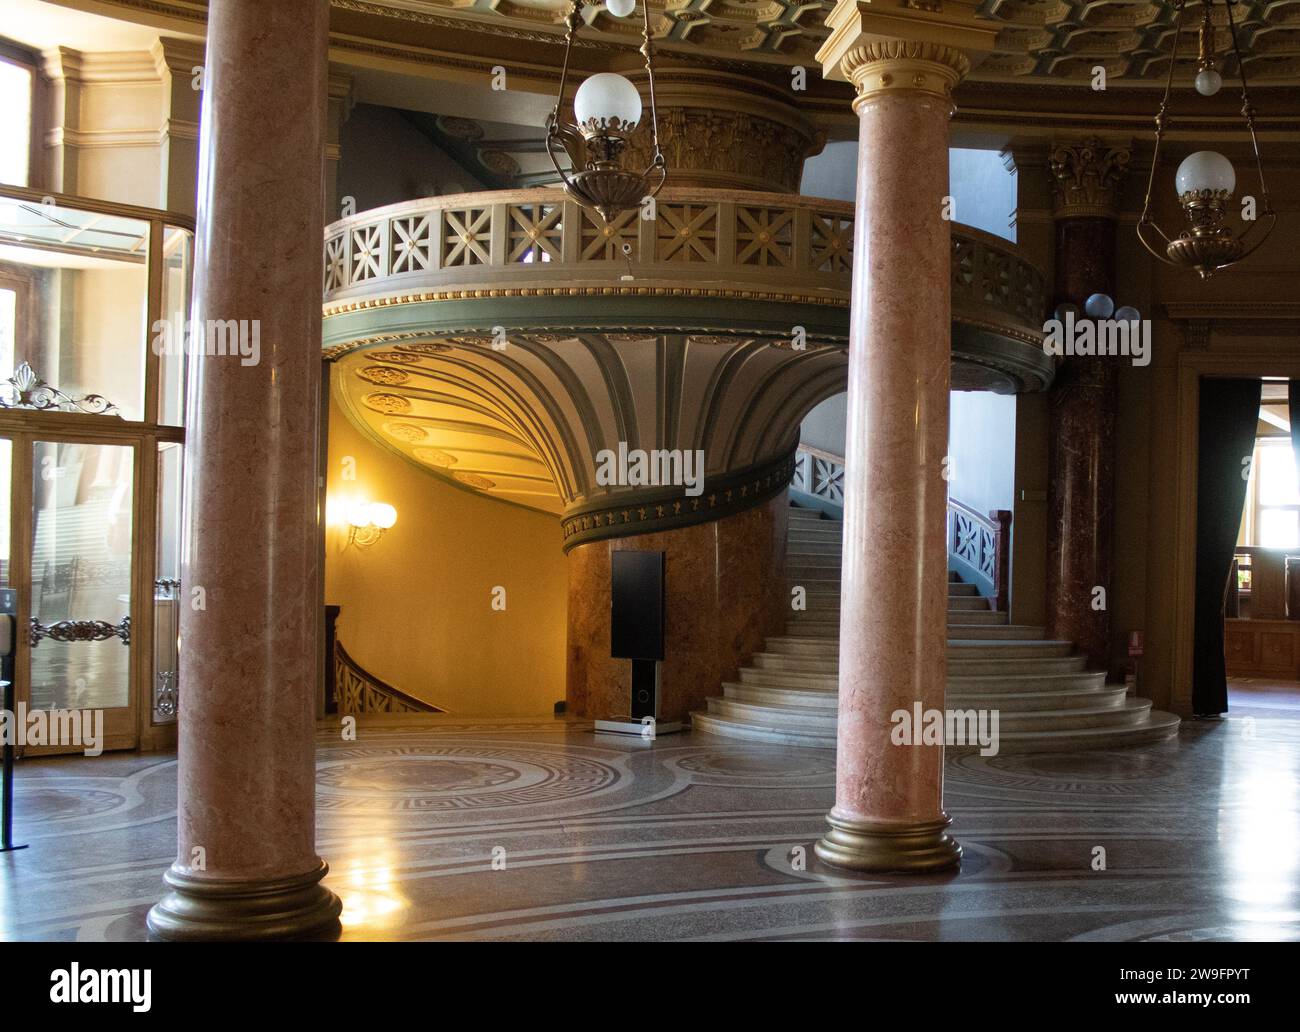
(1038, 41)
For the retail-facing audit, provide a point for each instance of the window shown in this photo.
(1272, 517)
(17, 79)
(1278, 495)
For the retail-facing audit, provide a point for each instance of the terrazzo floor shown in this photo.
(537, 830)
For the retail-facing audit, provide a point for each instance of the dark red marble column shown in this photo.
(1084, 402)
(247, 866)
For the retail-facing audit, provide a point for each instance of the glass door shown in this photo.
(73, 540)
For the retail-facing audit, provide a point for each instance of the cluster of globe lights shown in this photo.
(1100, 306)
(1205, 180)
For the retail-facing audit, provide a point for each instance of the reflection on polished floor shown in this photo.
(518, 830)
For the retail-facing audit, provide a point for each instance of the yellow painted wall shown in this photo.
(416, 607)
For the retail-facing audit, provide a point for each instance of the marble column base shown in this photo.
(199, 909)
(909, 847)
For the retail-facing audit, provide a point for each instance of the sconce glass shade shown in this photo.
(1208, 82)
(620, 8)
(1205, 170)
(382, 515)
(1099, 306)
(1128, 314)
(607, 100)
(359, 514)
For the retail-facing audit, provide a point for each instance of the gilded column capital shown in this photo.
(1086, 177)
(915, 46)
(895, 65)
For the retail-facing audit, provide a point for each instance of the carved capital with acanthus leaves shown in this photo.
(1086, 177)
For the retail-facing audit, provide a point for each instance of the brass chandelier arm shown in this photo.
(552, 137)
(554, 130)
(1248, 113)
(647, 51)
(1161, 116)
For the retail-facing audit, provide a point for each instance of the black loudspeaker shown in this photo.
(637, 622)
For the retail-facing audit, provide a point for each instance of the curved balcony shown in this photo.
(717, 254)
(505, 340)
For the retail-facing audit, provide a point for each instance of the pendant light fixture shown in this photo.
(1206, 180)
(607, 108)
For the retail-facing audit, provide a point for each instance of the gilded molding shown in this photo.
(1086, 178)
(479, 294)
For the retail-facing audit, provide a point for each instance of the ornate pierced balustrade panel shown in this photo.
(819, 479)
(979, 549)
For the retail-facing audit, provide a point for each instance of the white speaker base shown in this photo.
(630, 728)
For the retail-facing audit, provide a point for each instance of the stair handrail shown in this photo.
(359, 691)
(979, 548)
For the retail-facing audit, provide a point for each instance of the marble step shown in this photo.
(1143, 727)
(986, 632)
(726, 728)
(958, 588)
(823, 718)
(803, 645)
(1104, 697)
(981, 684)
(768, 668)
(797, 547)
(957, 603)
(959, 665)
(821, 624)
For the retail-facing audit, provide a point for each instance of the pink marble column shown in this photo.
(247, 865)
(888, 813)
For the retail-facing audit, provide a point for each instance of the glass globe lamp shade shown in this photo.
(1066, 309)
(359, 514)
(382, 515)
(1205, 170)
(1099, 306)
(607, 100)
(620, 8)
(1127, 314)
(1208, 82)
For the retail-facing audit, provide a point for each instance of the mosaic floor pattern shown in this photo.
(516, 832)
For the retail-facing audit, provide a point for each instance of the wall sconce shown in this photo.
(367, 522)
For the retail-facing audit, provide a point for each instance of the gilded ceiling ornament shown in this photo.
(1086, 177)
(385, 375)
(396, 356)
(393, 404)
(716, 340)
(436, 457)
(408, 432)
(423, 347)
(474, 480)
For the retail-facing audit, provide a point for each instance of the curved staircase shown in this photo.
(1047, 700)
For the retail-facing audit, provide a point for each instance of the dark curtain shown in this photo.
(1293, 405)
(1228, 421)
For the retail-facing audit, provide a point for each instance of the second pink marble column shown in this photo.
(888, 812)
(247, 866)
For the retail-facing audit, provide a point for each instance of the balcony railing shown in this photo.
(778, 246)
